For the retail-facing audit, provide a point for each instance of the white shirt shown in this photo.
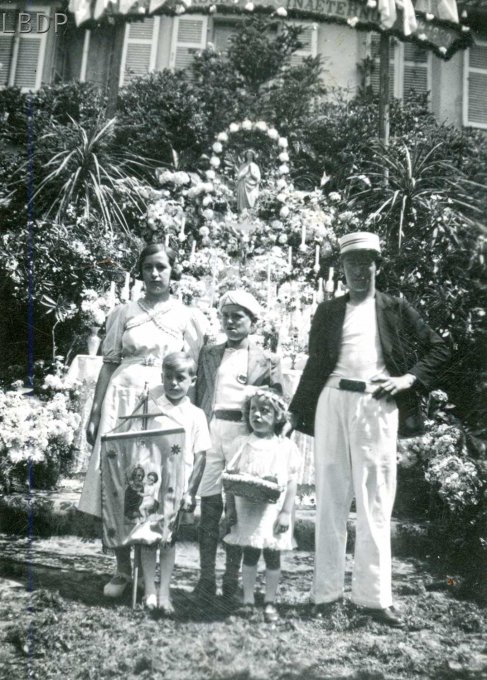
(231, 380)
(360, 355)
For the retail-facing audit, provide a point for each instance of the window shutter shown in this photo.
(375, 75)
(23, 66)
(139, 49)
(189, 37)
(7, 46)
(309, 38)
(475, 86)
(416, 70)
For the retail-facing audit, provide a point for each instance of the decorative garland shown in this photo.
(140, 11)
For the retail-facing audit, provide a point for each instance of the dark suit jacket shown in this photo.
(408, 345)
(264, 368)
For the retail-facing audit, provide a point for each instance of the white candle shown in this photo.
(290, 258)
(317, 259)
(320, 296)
(166, 241)
(193, 250)
(329, 284)
(303, 236)
(125, 294)
(183, 222)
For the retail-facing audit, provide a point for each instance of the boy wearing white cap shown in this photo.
(227, 374)
(369, 357)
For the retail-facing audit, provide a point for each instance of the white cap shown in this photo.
(242, 298)
(359, 240)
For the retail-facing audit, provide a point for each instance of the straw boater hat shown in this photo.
(242, 298)
(359, 240)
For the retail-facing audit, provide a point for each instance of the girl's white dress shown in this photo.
(277, 456)
(138, 339)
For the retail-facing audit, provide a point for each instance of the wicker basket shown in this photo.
(250, 487)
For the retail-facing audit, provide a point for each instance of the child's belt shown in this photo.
(227, 414)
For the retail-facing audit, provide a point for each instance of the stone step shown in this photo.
(54, 513)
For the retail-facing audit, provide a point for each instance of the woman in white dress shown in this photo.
(138, 336)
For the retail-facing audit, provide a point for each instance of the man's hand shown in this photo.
(230, 518)
(290, 426)
(282, 522)
(390, 386)
(188, 503)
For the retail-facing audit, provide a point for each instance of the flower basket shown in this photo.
(253, 488)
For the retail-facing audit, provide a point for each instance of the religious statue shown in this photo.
(247, 182)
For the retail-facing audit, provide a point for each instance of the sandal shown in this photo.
(271, 615)
(117, 585)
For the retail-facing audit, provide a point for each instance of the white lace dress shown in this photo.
(262, 457)
(138, 339)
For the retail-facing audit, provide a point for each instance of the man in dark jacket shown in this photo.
(370, 355)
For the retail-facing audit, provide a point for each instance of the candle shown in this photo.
(183, 222)
(290, 259)
(303, 236)
(125, 294)
(329, 287)
(166, 241)
(316, 268)
(193, 250)
(320, 296)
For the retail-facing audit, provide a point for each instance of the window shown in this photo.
(309, 38)
(222, 31)
(22, 54)
(410, 68)
(139, 49)
(475, 86)
(189, 37)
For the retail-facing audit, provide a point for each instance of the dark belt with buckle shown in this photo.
(232, 416)
(352, 385)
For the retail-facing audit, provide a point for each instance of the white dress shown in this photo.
(279, 457)
(138, 340)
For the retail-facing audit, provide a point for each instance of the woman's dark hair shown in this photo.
(154, 248)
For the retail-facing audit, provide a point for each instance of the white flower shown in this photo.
(261, 125)
(283, 169)
(429, 16)
(222, 137)
(281, 12)
(234, 127)
(282, 142)
(214, 161)
(210, 174)
(272, 133)
(207, 201)
(422, 36)
(284, 157)
(284, 211)
(282, 238)
(246, 125)
(204, 231)
(281, 183)
(208, 214)
(334, 196)
(217, 147)
(212, 9)
(372, 4)
(281, 198)
(249, 7)
(352, 21)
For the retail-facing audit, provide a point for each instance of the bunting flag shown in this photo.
(124, 6)
(81, 10)
(100, 7)
(409, 16)
(155, 4)
(387, 10)
(442, 9)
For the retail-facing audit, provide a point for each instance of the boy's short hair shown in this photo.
(175, 359)
(274, 400)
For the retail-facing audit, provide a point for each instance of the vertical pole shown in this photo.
(384, 68)
(114, 68)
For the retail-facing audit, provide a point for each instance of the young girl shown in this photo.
(261, 526)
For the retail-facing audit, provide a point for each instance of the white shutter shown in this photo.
(475, 86)
(139, 49)
(189, 37)
(416, 71)
(375, 75)
(22, 54)
(309, 38)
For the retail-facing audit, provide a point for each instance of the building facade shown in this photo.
(457, 88)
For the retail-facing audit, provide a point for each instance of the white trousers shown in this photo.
(223, 434)
(355, 455)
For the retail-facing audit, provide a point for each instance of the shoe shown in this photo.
(271, 615)
(117, 585)
(323, 610)
(230, 596)
(150, 602)
(388, 616)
